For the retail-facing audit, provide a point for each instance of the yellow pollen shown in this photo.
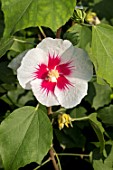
(53, 75)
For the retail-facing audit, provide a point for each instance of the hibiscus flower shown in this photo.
(57, 72)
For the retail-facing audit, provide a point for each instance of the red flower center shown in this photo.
(54, 74)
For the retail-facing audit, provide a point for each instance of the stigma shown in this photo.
(53, 75)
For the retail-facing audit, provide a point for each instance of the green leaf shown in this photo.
(98, 95)
(18, 97)
(99, 165)
(102, 96)
(102, 51)
(106, 115)
(98, 128)
(79, 35)
(6, 74)
(85, 37)
(6, 87)
(5, 45)
(25, 136)
(21, 44)
(30, 13)
(107, 164)
(79, 112)
(71, 137)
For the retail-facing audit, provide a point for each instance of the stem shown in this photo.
(22, 41)
(58, 33)
(73, 154)
(51, 152)
(88, 25)
(49, 110)
(41, 30)
(79, 119)
(42, 164)
(59, 165)
(36, 108)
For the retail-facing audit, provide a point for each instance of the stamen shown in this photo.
(53, 75)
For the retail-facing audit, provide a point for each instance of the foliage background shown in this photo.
(89, 144)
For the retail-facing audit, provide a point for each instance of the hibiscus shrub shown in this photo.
(56, 80)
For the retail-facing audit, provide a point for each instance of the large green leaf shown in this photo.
(25, 136)
(102, 51)
(22, 14)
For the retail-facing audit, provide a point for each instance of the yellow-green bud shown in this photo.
(64, 119)
(92, 18)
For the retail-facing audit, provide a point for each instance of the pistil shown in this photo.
(53, 75)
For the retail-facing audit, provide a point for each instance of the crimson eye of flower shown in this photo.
(57, 72)
(54, 74)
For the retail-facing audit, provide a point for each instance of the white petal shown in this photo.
(41, 95)
(54, 46)
(29, 64)
(80, 60)
(72, 96)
